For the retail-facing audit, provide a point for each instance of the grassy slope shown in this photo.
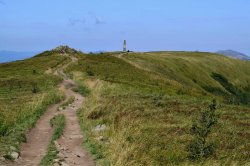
(19, 107)
(148, 102)
(193, 68)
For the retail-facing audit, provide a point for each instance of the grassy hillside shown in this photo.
(149, 100)
(199, 71)
(146, 101)
(26, 89)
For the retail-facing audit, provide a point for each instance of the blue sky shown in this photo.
(147, 25)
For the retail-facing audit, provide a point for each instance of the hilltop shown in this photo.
(234, 54)
(138, 107)
(8, 56)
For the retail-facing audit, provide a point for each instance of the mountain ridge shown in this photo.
(234, 54)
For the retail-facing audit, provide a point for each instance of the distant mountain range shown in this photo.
(8, 56)
(234, 54)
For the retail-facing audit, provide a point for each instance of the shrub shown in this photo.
(199, 147)
(3, 127)
(89, 72)
(83, 90)
(34, 88)
(96, 114)
(158, 100)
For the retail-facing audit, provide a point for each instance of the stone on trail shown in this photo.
(57, 145)
(56, 164)
(64, 164)
(60, 109)
(14, 155)
(60, 155)
(56, 160)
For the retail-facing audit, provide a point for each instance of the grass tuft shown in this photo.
(58, 123)
(67, 103)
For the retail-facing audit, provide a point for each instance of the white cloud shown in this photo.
(99, 20)
(74, 21)
(88, 20)
(2, 3)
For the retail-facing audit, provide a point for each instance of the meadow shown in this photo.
(148, 102)
(26, 89)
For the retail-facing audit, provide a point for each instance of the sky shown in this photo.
(147, 25)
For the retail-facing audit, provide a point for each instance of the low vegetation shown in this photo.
(201, 128)
(58, 123)
(148, 102)
(26, 89)
(236, 95)
(139, 107)
(83, 90)
(69, 101)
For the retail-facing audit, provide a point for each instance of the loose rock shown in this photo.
(100, 128)
(57, 145)
(60, 155)
(60, 109)
(56, 164)
(64, 164)
(14, 155)
(56, 160)
(102, 138)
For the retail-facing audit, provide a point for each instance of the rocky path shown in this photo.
(69, 146)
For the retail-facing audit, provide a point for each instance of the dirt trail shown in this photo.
(69, 145)
(120, 55)
(37, 140)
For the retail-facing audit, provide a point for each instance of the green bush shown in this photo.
(34, 88)
(89, 71)
(199, 147)
(83, 90)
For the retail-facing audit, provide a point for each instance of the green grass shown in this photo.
(82, 89)
(58, 123)
(20, 108)
(236, 95)
(69, 101)
(148, 101)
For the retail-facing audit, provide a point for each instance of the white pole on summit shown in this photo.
(124, 46)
